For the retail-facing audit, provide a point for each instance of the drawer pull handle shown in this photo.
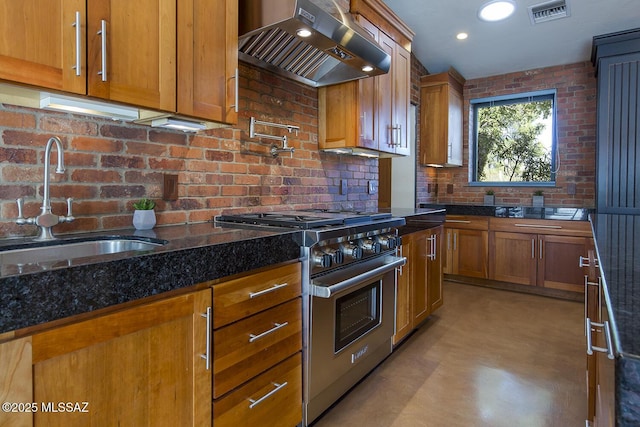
(255, 402)
(207, 355)
(277, 326)
(607, 337)
(585, 262)
(538, 226)
(268, 290)
(458, 221)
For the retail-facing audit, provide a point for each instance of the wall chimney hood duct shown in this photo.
(336, 50)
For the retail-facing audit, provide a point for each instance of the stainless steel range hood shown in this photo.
(337, 50)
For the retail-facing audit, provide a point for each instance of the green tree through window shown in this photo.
(514, 139)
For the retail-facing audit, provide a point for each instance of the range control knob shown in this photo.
(371, 246)
(352, 250)
(388, 241)
(336, 255)
(322, 259)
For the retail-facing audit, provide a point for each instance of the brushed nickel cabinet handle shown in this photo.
(76, 24)
(207, 355)
(103, 44)
(538, 226)
(268, 290)
(277, 388)
(277, 326)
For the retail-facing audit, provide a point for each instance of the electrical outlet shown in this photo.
(571, 188)
(372, 188)
(170, 189)
(449, 188)
(343, 187)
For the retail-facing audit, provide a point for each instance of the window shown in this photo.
(515, 140)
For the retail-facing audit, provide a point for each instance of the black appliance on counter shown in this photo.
(349, 261)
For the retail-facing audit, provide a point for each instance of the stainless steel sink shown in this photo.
(70, 249)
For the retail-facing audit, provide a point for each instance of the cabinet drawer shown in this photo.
(469, 222)
(248, 347)
(541, 226)
(273, 398)
(243, 297)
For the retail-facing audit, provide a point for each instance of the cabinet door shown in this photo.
(618, 130)
(605, 415)
(558, 267)
(420, 293)
(38, 44)
(16, 382)
(513, 257)
(136, 367)
(454, 127)
(470, 254)
(404, 319)
(208, 59)
(135, 61)
(367, 91)
(401, 95)
(447, 259)
(433, 124)
(434, 269)
(385, 100)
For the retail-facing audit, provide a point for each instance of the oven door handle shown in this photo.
(326, 291)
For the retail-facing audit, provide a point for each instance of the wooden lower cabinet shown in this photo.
(268, 400)
(419, 285)
(16, 382)
(539, 260)
(139, 366)
(467, 246)
(257, 344)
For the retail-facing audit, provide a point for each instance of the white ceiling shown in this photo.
(511, 45)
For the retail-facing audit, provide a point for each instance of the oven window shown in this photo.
(357, 313)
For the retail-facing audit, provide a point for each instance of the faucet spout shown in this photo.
(46, 200)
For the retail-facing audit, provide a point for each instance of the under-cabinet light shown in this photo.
(179, 124)
(367, 68)
(352, 152)
(303, 32)
(87, 106)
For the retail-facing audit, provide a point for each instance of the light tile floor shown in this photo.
(487, 358)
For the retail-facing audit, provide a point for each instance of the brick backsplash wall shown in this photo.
(576, 102)
(112, 164)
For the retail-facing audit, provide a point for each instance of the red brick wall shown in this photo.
(576, 102)
(111, 164)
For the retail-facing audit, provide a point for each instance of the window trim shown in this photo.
(504, 100)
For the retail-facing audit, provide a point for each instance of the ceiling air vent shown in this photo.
(549, 11)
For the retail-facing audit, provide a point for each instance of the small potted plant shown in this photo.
(489, 198)
(144, 217)
(538, 199)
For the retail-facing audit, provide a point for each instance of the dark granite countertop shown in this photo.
(418, 219)
(547, 212)
(194, 254)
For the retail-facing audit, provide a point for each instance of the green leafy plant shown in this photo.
(537, 193)
(144, 205)
(490, 193)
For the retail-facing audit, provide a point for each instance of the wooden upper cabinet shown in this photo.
(135, 61)
(42, 49)
(441, 117)
(371, 113)
(208, 59)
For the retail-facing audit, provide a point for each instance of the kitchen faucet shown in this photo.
(46, 219)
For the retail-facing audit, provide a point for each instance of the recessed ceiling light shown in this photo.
(496, 10)
(462, 36)
(303, 32)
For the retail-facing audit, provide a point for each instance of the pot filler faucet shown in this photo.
(46, 219)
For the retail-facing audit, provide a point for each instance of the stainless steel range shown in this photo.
(349, 276)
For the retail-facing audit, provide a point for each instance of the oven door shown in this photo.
(352, 315)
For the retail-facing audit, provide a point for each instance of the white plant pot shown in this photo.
(538, 201)
(489, 200)
(144, 220)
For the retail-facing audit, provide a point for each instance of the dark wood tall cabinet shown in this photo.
(616, 58)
